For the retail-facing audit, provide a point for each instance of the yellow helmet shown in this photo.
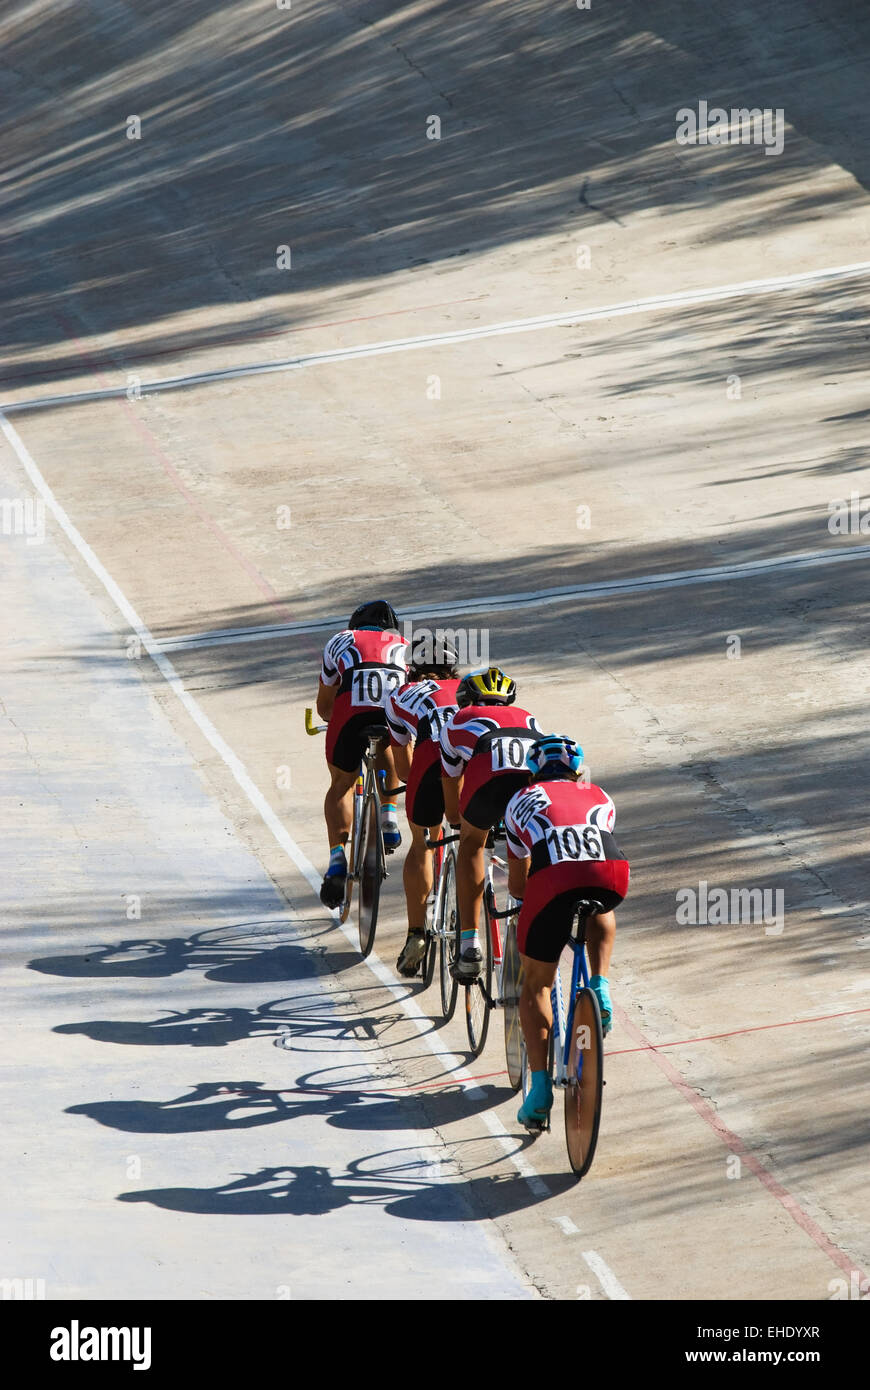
(487, 686)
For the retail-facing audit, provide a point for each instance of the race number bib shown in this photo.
(573, 842)
(509, 753)
(372, 684)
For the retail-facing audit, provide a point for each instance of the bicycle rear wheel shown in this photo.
(511, 980)
(448, 934)
(585, 1081)
(370, 875)
(478, 994)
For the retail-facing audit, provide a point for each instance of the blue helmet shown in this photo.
(554, 749)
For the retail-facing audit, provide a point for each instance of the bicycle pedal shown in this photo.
(534, 1129)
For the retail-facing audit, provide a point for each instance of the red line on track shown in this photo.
(735, 1145)
(735, 1032)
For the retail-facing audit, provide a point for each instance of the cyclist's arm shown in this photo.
(518, 857)
(453, 759)
(402, 758)
(325, 700)
(452, 787)
(518, 873)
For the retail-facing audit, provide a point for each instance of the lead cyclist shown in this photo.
(362, 666)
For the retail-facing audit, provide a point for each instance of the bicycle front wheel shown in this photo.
(448, 935)
(512, 984)
(585, 1082)
(352, 849)
(479, 994)
(370, 874)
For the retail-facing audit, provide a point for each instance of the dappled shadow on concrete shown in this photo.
(214, 1106)
(311, 1190)
(307, 127)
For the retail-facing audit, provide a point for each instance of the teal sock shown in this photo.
(337, 861)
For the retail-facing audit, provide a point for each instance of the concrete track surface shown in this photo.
(207, 1093)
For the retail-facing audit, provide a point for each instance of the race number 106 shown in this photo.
(574, 842)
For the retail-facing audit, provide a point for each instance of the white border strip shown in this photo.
(682, 299)
(506, 1141)
(535, 598)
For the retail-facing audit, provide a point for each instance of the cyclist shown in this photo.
(361, 666)
(415, 716)
(560, 848)
(483, 762)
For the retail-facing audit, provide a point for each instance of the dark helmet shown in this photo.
(378, 613)
(487, 686)
(439, 663)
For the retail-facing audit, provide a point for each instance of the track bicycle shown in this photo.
(479, 999)
(366, 857)
(427, 964)
(442, 917)
(576, 1055)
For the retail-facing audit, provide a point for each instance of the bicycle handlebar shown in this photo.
(437, 844)
(310, 726)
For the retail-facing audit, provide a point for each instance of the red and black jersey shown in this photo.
(420, 710)
(561, 822)
(486, 741)
(367, 665)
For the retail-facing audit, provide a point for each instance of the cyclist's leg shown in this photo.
(384, 762)
(600, 933)
(608, 880)
(536, 1009)
(424, 804)
(338, 812)
(543, 930)
(470, 876)
(536, 1020)
(417, 877)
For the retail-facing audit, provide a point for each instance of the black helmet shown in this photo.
(442, 665)
(378, 613)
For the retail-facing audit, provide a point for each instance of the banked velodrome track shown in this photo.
(589, 396)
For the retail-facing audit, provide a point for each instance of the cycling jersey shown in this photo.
(367, 665)
(565, 828)
(488, 743)
(419, 711)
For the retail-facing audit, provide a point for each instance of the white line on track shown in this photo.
(506, 1141)
(606, 1277)
(682, 299)
(534, 598)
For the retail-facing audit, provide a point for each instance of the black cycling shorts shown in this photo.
(426, 808)
(347, 751)
(489, 803)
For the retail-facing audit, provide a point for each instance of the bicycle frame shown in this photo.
(366, 785)
(562, 1025)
